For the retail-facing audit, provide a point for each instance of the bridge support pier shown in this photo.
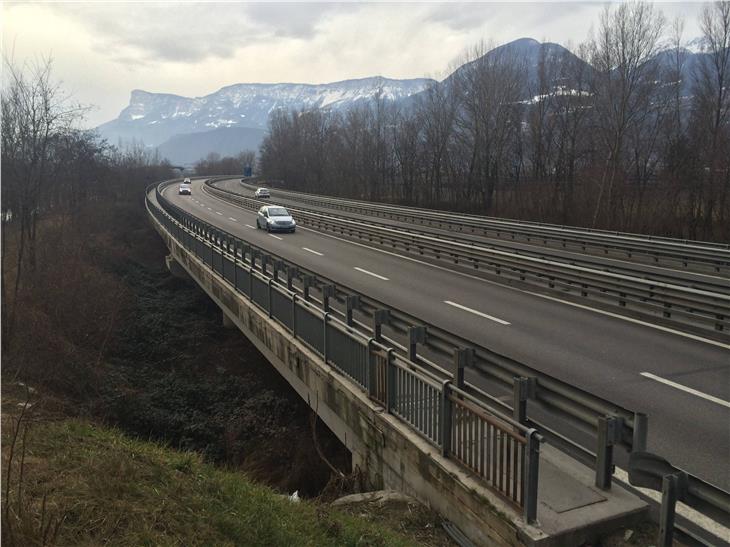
(176, 269)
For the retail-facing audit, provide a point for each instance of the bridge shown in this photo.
(498, 371)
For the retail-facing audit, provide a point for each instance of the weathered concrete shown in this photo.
(392, 456)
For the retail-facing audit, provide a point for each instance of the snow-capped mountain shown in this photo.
(153, 118)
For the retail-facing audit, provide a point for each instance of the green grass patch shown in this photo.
(101, 487)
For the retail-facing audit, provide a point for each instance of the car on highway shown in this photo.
(262, 193)
(185, 188)
(274, 218)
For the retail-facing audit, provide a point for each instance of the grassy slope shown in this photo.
(107, 488)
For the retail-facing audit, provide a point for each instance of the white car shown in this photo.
(262, 193)
(185, 188)
(274, 218)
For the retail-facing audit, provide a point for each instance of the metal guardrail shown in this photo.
(650, 471)
(407, 390)
(660, 250)
(703, 310)
(610, 424)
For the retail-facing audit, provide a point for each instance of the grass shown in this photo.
(102, 487)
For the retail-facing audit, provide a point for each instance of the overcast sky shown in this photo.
(102, 51)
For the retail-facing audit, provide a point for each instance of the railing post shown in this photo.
(673, 489)
(291, 272)
(608, 427)
(416, 335)
(641, 429)
(353, 302)
(390, 381)
(328, 291)
(446, 412)
(372, 379)
(463, 357)
(264, 263)
(294, 314)
(250, 282)
(380, 318)
(522, 389)
(306, 283)
(268, 297)
(530, 475)
(324, 336)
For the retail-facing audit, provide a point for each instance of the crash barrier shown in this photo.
(705, 309)
(683, 253)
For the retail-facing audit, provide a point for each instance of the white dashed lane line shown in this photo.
(686, 389)
(371, 273)
(217, 213)
(312, 251)
(233, 219)
(249, 226)
(475, 312)
(275, 237)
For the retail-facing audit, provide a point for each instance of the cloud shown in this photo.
(192, 32)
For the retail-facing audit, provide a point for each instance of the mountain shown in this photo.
(154, 118)
(226, 141)
(531, 53)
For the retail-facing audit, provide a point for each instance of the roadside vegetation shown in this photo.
(85, 484)
(619, 134)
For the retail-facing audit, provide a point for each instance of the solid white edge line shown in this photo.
(475, 312)
(687, 512)
(276, 237)
(686, 389)
(371, 273)
(546, 297)
(313, 251)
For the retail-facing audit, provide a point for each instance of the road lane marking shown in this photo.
(685, 388)
(249, 226)
(275, 237)
(233, 219)
(371, 273)
(217, 213)
(702, 339)
(475, 312)
(209, 209)
(313, 251)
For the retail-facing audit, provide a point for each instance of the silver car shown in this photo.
(274, 218)
(185, 188)
(261, 193)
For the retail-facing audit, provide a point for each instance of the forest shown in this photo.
(620, 134)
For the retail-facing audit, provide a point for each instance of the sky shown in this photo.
(101, 51)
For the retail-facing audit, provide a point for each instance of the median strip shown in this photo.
(475, 312)
(686, 389)
(371, 273)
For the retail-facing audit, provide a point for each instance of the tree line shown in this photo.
(607, 136)
(56, 180)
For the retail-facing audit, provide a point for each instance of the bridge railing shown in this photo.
(464, 428)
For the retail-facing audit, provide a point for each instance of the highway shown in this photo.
(681, 381)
